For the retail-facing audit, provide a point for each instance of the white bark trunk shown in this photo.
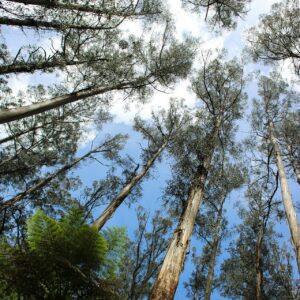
(112, 207)
(44, 181)
(286, 195)
(167, 280)
(8, 115)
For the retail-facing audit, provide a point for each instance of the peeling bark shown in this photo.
(167, 281)
(112, 207)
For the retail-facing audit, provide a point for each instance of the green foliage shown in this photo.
(64, 259)
(220, 13)
(276, 37)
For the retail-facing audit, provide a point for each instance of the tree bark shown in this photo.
(29, 22)
(167, 281)
(286, 195)
(112, 207)
(16, 135)
(258, 265)
(46, 180)
(31, 67)
(53, 4)
(212, 260)
(8, 115)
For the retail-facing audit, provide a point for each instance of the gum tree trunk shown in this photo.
(50, 64)
(28, 22)
(166, 283)
(286, 195)
(8, 115)
(168, 277)
(112, 207)
(212, 260)
(167, 280)
(258, 266)
(55, 4)
(46, 180)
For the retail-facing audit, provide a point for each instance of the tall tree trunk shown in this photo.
(293, 163)
(286, 195)
(29, 22)
(167, 281)
(112, 207)
(16, 135)
(54, 4)
(46, 180)
(214, 252)
(258, 265)
(50, 64)
(8, 115)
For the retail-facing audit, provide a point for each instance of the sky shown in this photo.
(186, 23)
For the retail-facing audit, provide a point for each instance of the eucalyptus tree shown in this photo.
(220, 13)
(268, 112)
(144, 255)
(139, 68)
(219, 88)
(162, 131)
(211, 226)
(258, 268)
(77, 30)
(108, 148)
(290, 137)
(45, 190)
(276, 37)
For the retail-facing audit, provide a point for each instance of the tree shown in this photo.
(63, 259)
(211, 226)
(224, 13)
(109, 148)
(144, 255)
(276, 36)
(258, 268)
(158, 65)
(289, 130)
(273, 104)
(165, 128)
(219, 86)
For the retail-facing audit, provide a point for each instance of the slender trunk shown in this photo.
(214, 252)
(16, 135)
(29, 22)
(211, 269)
(31, 67)
(8, 115)
(293, 164)
(54, 4)
(45, 180)
(258, 265)
(286, 195)
(112, 207)
(166, 283)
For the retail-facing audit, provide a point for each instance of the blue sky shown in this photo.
(152, 188)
